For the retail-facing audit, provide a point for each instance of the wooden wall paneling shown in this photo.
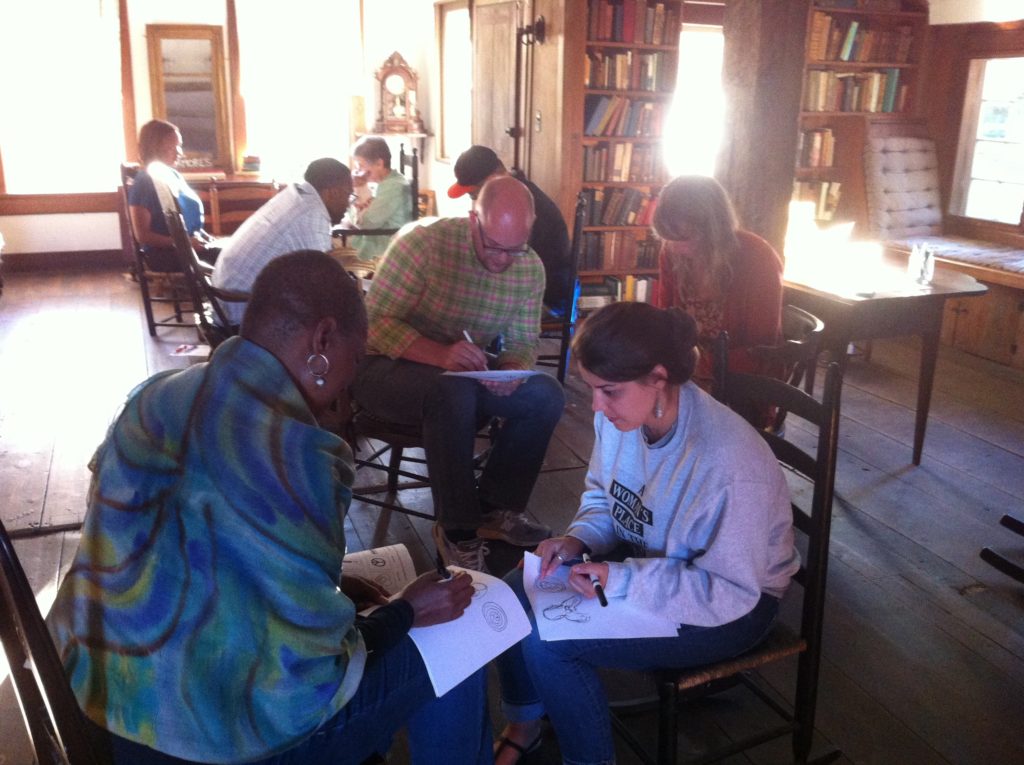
(555, 158)
(762, 77)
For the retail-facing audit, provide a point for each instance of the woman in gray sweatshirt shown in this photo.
(698, 502)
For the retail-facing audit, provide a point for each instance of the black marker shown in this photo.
(442, 569)
(597, 584)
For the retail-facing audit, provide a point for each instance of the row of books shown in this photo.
(816, 148)
(835, 39)
(824, 194)
(623, 70)
(618, 207)
(621, 116)
(874, 91)
(613, 289)
(624, 162)
(617, 251)
(633, 21)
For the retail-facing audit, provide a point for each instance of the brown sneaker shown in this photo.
(469, 554)
(512, 527)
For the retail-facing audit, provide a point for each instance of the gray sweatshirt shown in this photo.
(706, 510)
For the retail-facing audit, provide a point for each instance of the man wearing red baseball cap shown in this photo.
(549, 237)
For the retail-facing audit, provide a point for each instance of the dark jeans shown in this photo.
(560, 678)
(450, 410)
(394, 691)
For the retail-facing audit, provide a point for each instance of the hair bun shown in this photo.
(682, 328)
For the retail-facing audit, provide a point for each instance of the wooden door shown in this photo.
(494, 76)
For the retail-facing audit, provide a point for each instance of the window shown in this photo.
(991, 167)
(456, 78)
(697, 114)
(60, 124)
(297, 98)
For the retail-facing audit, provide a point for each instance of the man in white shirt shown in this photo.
(298, 218)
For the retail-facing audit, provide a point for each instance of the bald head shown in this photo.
(505, 208)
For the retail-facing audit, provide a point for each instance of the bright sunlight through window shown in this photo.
(73, 142)
(693, 128)
(996, 186)
(456, 80)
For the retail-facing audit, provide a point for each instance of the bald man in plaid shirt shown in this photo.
(444, 291)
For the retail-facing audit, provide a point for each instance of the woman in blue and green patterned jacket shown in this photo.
(202, 619)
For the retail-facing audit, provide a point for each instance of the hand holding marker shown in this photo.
(597, 583)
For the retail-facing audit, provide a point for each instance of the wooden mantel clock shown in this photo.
(398, 111)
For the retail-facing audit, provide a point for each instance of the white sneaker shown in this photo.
(469, 554)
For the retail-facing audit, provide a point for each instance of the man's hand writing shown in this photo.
(463, 356)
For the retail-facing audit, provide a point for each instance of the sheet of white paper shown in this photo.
(494, 622)
(497, 375)
(391, 567)
(564, 614)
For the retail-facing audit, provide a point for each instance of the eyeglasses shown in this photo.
(496, 249)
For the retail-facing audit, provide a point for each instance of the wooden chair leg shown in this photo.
(668, 726)
(394, 465)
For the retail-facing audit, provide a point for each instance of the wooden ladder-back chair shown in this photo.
(232, 203)
(812, 516)
(55, 724)
(211, 320)
(561, 327)
(157, 288)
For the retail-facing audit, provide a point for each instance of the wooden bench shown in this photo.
(901, 178)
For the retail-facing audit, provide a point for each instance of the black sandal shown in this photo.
(505, 741)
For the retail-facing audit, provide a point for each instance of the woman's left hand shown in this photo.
(364, 592)
(579, 577)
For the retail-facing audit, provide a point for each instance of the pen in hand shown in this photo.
(469, 338)
(442, 569)
(597, 584)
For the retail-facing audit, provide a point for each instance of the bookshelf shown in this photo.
(861, 66)
(630, 57)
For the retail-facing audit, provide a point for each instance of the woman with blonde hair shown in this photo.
(726, 278)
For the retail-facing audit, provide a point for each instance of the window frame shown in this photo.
(968, 139)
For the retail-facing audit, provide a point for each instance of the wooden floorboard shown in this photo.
(924, 643)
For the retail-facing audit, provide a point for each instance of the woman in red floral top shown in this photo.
(726, 278)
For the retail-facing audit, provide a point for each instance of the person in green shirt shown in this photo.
(387, 206)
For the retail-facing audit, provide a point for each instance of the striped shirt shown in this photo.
(431, 284)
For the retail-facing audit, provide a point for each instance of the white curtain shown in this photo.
(299, 70)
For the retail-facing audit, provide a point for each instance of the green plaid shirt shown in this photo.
(430, 284)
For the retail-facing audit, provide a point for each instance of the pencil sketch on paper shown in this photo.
(550, 585)
(494, 616)
(479, 588)
(568, 610)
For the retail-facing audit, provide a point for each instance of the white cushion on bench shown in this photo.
(901, 178)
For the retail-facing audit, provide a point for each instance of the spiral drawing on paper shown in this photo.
(479, 588)
(566, 610)
(378, 562)
(495, 616)
(550, 585)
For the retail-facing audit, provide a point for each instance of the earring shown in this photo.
(659, 410)
(318, 366)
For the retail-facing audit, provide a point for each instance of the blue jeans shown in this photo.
(394, 691)
(450, 411)
(560, 678)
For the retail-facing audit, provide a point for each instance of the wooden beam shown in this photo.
(762, 73)
(131, 146)
(239, 135)
(48, 204)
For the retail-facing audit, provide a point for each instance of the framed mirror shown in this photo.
(186, 78)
